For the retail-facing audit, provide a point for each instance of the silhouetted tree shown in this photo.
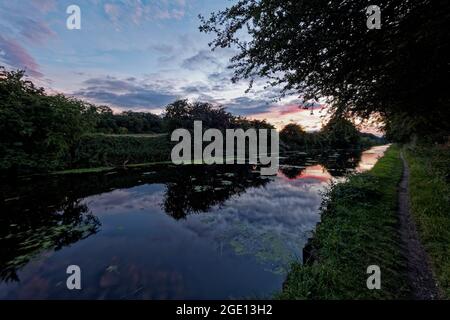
(323, 48)
(340, 133)
(293, 135)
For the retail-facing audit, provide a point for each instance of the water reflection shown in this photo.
(370, 157)
(163, 232)
(26, 232)
(201, 187)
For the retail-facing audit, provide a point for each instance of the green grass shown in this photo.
(83, 170)
(359, 228)
(430, 206)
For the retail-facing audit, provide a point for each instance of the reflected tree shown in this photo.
(199, 188)
(337, 162)
(25, 233)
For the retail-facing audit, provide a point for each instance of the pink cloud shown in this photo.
(44, 5)
(13, 54)
(112, 11)
(36, 31)
(299, 107)
(288, 109)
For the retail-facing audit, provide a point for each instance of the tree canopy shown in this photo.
(323, 48)
(293, 134)
(38, 130)
(182, 114)
(127, 122)
(338, 133)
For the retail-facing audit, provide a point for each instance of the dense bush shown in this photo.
(38, 131)
(128, 122)
(97, 150)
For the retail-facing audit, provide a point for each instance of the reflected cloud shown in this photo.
(269, 223)
(165, 232)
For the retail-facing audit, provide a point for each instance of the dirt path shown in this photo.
(420, 276)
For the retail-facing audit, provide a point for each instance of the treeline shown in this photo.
(338, 133)
(42, 133)
(127, 122)
(182, 114)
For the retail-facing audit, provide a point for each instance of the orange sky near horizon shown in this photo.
(310, 120)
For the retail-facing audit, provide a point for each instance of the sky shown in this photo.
(135, 55)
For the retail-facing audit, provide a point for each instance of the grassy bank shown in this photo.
(106, 151)
(358, 229)
(430, 206)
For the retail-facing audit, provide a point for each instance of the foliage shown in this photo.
(127, 122)
(98, 150)
(41, 132)
(182, 114)
(368, 140)
(37, 130)
(358, 229)
(324, 49)
(338, 133)
(293, 135)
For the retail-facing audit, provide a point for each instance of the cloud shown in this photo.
(298, 105)
(247, 106)
(137, 11)
(196, 88)
(277, 218)
(290, 108)
(162, 48)
(35, 31)
(16, 56)
(128, 93)
(203, 60)
(44, 5)
(112, 11)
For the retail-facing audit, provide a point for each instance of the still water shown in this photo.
(165, 232)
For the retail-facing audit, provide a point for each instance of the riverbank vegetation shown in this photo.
(45, 133)
(338, 133)
(430, 206)
(98, 150)
(358, 229)
(42, 133)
